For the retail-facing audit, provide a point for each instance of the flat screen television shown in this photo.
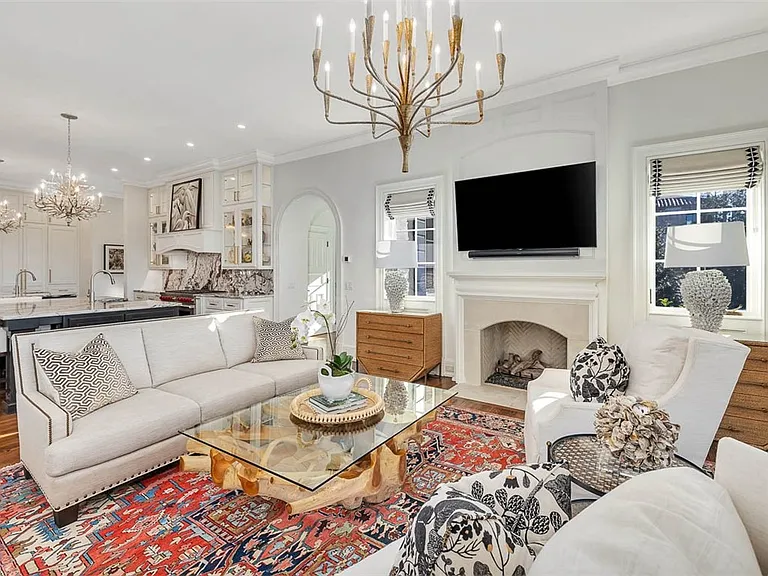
(553, 208)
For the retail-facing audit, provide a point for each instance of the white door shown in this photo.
(35, 250)
(10, 251)
(320, 265)
(62, 256)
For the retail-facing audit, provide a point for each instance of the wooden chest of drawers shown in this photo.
(746, 417)
(402, 346)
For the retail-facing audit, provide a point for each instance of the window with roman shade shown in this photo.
(412, 204)
(697, 188)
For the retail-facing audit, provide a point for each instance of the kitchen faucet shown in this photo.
(91, 291)
(20, 287)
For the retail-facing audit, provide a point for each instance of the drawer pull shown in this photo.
(389, 339)
(388, 370)
(388, 325)
(377, 353)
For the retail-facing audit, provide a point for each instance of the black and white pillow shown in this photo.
(599, 372)
(492, 523)
(85, 381)
(276, 341)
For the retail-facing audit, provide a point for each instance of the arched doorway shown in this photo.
(308, 254)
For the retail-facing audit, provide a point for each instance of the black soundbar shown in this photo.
(524, 252)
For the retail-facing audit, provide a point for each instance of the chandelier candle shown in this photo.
(408, 102)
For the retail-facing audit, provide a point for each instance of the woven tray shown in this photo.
(301, 409)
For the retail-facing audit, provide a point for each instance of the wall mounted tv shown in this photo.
(540, 212)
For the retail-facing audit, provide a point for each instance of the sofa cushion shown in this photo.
(121, 428)
(82, 383)
(656, 355)
(126, 340)
(288, 375)
(222, 392)
(673, 521)
(182, 347)
(238, 337)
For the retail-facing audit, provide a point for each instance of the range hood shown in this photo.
(189, 241)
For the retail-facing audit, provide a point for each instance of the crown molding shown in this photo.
(710, 53)
(224, 163)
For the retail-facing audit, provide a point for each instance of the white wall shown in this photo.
(720, 98)
(563, 128)
(104, 229)
(136, 237)
(293, 236)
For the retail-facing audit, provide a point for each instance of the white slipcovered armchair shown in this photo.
(690, 373)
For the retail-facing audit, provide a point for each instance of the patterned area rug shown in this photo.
(180, 524)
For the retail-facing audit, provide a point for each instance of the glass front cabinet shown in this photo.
(247, 217)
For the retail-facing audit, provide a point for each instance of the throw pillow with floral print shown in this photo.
(489, 524)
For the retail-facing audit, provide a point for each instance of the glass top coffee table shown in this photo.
(264, 451)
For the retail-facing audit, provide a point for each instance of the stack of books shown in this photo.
(352, 402)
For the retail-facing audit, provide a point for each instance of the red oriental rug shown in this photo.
(180, 524)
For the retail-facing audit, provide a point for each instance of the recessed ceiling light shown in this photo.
(113, 169)
(147, 159)
(191, 144)
(241, 126)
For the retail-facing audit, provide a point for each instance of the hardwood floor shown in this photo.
(9, 435)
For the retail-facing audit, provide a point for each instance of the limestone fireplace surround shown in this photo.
(569, 305)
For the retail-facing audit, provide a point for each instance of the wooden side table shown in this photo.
(746, 417)
(402, 346)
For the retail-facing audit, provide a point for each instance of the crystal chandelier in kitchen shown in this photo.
(66, 196)
(407, 102)
(10, 220)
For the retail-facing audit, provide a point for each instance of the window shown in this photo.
(697, 208)
(408, 211)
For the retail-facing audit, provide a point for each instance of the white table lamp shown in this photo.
(706, 293)
(396, 256)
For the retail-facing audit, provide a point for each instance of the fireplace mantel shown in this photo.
(569, 304)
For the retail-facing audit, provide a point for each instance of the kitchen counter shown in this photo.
(69, 306)
(55, 314)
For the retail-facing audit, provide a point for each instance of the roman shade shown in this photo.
(732, 169)
(414, 204)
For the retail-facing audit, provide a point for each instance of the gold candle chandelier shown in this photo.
(404, 101)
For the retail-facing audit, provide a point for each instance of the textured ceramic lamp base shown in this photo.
(706, 294)
(396, 287)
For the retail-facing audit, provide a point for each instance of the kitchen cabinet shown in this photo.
(247, 217)
(10, 250)
(216, 304)
(63, 250)
(35, 255)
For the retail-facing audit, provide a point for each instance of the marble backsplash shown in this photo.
(203, 272)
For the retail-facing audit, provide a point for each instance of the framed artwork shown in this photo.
(114, 258)
(185, 205)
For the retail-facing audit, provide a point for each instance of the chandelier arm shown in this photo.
(394, 87)
(460, 105)
(391, 88)
(377, 136)
(358, 105)
(441, 81)
(369, 96)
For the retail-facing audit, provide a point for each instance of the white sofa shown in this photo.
(702, 369)
(674, 522)
(187, 370)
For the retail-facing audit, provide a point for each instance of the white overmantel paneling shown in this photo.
(574, 299)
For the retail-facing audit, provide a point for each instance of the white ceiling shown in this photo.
(145, 78)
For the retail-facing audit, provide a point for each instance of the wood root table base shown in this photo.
(373, 479)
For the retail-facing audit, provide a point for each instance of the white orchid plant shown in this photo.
(316, 317)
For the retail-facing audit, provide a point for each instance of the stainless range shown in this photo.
(186, 298)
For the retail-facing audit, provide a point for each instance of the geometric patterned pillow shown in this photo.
(276, 341)
(87, 380)
(599, 372)
(489, 524)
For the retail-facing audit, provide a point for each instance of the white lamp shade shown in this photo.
(713, 245)
(396, 254)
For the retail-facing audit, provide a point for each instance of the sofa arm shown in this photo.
(313, 353)
(743, 471)
(41, 422)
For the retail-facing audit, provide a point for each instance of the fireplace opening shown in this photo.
(516, 352)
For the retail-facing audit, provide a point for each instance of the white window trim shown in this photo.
(413, 303)
(644, 241)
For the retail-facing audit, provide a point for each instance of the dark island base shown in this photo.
(58, 321)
